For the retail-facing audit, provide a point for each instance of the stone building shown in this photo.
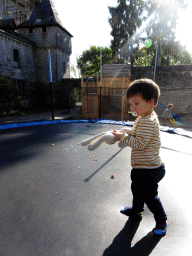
(17, 56)
(20, 10)
(26, 39)
(45, 30)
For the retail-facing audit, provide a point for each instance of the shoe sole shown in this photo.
(159, 232)
(139, 217)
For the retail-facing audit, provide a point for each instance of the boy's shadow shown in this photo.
(121, 245)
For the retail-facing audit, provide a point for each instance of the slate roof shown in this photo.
(43, 15)
(8, 23)
(18, 37)
(8, 27)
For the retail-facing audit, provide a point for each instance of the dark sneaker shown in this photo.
(160, 229)
(129, 212)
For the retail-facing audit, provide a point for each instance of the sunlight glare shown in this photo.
(182, 32)
(134, 38)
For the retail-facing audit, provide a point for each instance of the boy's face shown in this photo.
(140, 106)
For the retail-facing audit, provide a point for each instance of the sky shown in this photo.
(183, 33)
(87, 21)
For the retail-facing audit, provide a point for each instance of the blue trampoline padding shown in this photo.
(60, 121)
(178, 131)
(16, 125)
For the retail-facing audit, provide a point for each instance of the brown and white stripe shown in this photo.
(145, 142)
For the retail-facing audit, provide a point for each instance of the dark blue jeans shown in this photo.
(145, 191)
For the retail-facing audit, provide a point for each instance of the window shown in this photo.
(16, 55)
(30, 30)
(16, 58)
(64, 69)
(44, 29)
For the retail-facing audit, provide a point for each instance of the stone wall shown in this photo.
(21, 12)
(166, 76)
(22, 69)
(175, 84)
(181, 98)
(59, 44)
(54, 38)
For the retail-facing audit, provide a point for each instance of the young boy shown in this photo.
(147, 166)
(167, 114)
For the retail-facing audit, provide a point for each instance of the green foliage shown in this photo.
(162, 31)
(183, 58)
(142, 58)
(145, 57)
(89, 61)
(125, 18)
(75, 96)
(8, 93)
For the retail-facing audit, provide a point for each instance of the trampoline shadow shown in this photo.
(121, 245)
(93, 174)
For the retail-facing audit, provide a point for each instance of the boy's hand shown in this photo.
(117, 134)
(126, 130)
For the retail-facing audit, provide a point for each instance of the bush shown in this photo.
(8, 93)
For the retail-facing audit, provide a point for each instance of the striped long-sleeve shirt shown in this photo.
(145, 142)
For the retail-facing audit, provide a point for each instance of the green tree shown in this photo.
(125, 18)
(128, 22)
(162, 30)
(180, 55)
(89, 61)
(142, 58)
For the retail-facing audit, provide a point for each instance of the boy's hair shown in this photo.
(144, 87)
(169, 105)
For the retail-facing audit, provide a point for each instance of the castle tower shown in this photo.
(44, 28)
(20, 10)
